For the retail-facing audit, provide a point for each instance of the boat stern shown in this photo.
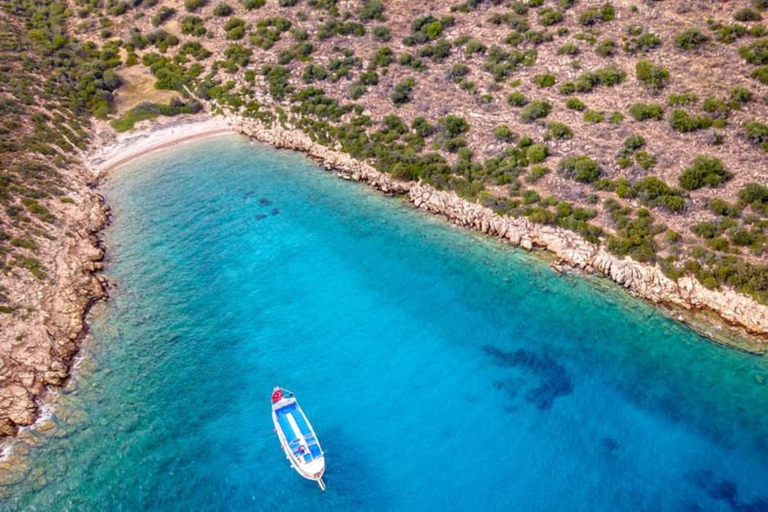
(314, 469)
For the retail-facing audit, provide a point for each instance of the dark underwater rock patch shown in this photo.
(554, 380)
(610, 444)
(725, 490)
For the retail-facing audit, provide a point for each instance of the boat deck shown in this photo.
(301, 440)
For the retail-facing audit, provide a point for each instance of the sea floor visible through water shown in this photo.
(440, 369)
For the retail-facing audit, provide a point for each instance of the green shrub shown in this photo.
(193, 25)
(747, 14)
(537, 153)
(721, 207)
(757, 133)
(645, 41)
(755, 53)
(634, 237)
(371, 10)
(761, 75)
(250, 5)
(475, 46)
(755, 195)
(534, 110)
(356, 91)
(568, 49)
(594, 116)
(381, 33)
(575, 104)
(222, 10)
(549, 16)
(606, 48)
(682, 122)
(690, 39)
(193, 5)
(654, 77)
(703, 172)
(580, 168)
(645, 111)
(682, 99)
(634, 142)
(610, 75)
(653, 191)
(742, 237)
(537, 172)
(594, 15)
(163, 14)
(544, 80)
(516, 99)
(739, 96)
(383, 57)
(402, 92)
(504, 133)
(560, 131)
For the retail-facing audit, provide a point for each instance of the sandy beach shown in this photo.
(162, 134)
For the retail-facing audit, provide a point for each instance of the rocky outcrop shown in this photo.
(38, 344)
(645, 281)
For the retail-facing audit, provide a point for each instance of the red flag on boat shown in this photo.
(277, 395)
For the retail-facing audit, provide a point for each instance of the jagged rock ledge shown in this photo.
(645, 281)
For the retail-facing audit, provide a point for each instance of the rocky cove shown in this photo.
(42, 359)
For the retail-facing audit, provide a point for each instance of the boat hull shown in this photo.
(298, 440)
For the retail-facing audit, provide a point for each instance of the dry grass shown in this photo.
(139, 86)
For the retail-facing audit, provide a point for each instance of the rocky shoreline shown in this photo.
(570, 249)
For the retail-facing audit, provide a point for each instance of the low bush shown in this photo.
(516, 99)
(544, 80)
(594, 116)
(402, 92)
(560, 131)
(704, 172)
(222, 10)
(757, 133)
(504, 133)
(594, 15)
(534, 110)
(747, 14)
(646, 111)
(681, 121)
(580, 168)
(690, 39)
(755, 53)
(606, 48)
(575, 104)
(654, 77)
(688, 98)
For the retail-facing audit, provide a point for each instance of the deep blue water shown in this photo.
(440, 369)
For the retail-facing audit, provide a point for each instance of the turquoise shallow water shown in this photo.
(440, 369)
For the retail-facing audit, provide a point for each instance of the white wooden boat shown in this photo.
(297, 437)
